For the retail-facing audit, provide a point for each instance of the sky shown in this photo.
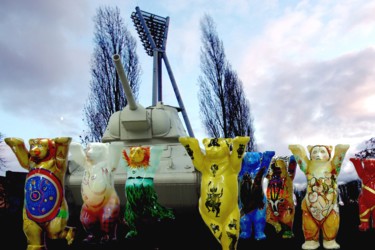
(307, 67)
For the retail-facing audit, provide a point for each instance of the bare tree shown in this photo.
(106, 92)
(224, 109)
(369, 151)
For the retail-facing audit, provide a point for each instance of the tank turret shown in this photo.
(136, 124)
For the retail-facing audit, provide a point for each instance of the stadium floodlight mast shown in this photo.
(153, 30)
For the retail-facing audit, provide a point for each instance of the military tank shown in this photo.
(176, 180)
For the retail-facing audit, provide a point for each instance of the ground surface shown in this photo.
(188, 231)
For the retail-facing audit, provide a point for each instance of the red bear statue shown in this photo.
(366, 171)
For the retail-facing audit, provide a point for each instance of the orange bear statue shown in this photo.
(280, 195)
(320, 210)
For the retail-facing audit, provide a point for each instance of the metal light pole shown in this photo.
(153, 31)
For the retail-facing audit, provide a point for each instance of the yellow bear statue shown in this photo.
(320, 211)
(45, 211)
(219, 167)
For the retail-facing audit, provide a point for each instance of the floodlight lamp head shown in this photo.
(152, 30)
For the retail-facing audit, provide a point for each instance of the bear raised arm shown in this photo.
(18, 147)
(192, 148)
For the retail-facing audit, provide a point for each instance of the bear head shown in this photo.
(320, 152)
(96, 152)
(41, 149)
(217, 147)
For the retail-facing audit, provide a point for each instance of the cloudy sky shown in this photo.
(308, 67)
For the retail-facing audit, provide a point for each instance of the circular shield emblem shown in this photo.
(43, 195)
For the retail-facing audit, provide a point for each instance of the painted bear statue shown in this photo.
(280, 195)
(100, 212)
(142, 207)
(219, 167)
(252, 199)
(366, 172)
(320, 210)
(45, 211)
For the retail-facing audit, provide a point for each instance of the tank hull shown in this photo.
(176, 181)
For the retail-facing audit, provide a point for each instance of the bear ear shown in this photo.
(206, 141)
(254, 156)
(330, 148)
(309, 147)
(31, 141)
(229, 140)
(100, 148)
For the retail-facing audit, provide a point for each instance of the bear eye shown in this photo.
(214, 143)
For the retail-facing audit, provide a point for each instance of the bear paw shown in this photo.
(131, 234)
(260, 236)
(310, 244)
(70, 235)
(330, 244)
(364, 226)
(288, 235)
(278, 227)
(90, 239)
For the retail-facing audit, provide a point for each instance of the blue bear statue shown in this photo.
(252, 199)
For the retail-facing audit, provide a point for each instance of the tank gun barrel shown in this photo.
(124, 80)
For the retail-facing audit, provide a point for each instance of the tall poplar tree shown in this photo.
(224, 108)
(106, 92)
